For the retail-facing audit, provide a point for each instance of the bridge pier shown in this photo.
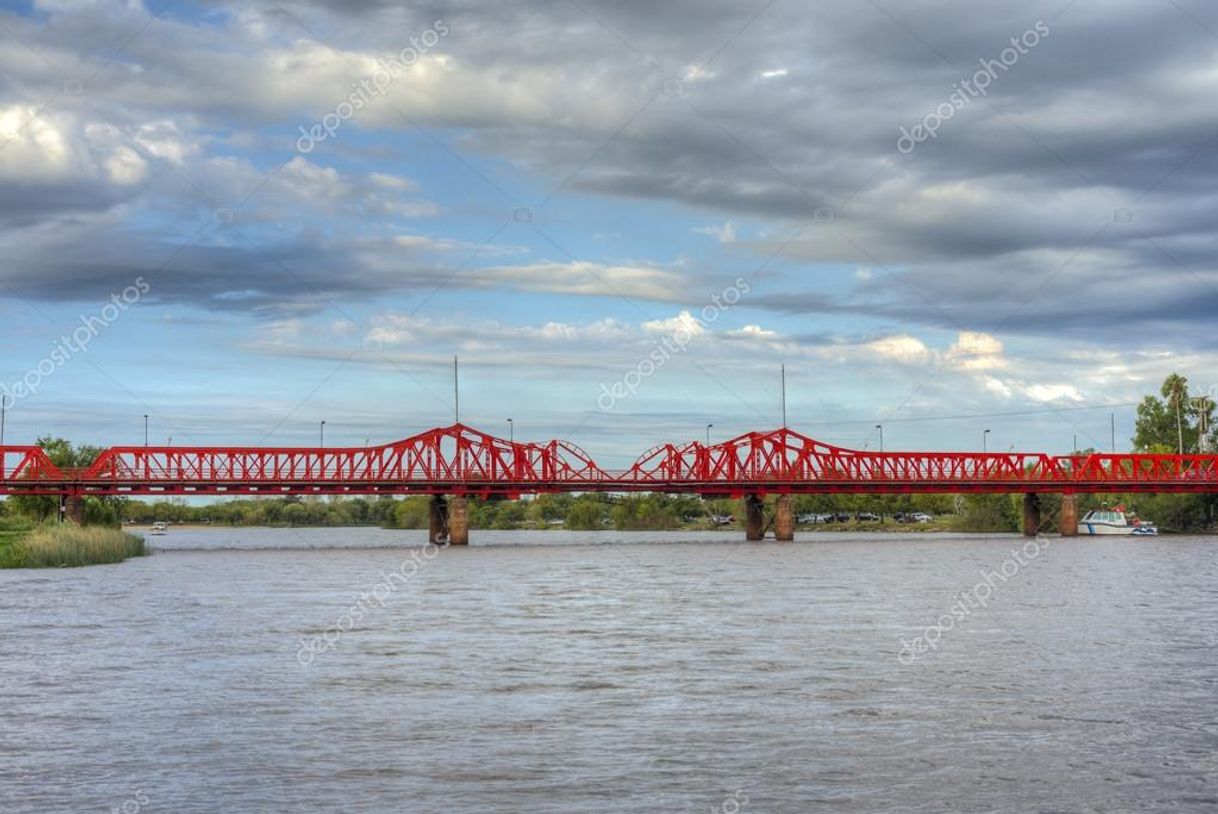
(754, 521)
(458, 520)
(72, 508)
(437, 520)
(1068, 519)
(1031, 514)
(784, 519)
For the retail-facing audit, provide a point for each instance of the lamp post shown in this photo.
(880, 427)
(984, 437)
(511, 431)
(321, 434)
(708, 429)
(3, 409)
(145, 429)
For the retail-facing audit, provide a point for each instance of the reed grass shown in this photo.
(67, 545)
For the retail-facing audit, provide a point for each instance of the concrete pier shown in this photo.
(1031, 514)
(784, 519)
(1068, 520)
(437, 520)
(72, 508)
(458, 520)
(754, 520)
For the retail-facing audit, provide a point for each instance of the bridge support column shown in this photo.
(437, 520)
(1031, 514)
(754, 521)
(1068, 519)
(458, 521)
(784, 519)
(72, 508)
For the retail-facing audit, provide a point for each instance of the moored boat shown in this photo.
(1115, 522)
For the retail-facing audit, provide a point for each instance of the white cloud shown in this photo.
(427, 243)
(901, 348)
(684, 322)
(1053, 392)
(752, 332)
(584, 278)
(997, 386)
(165, 140)
(724, 234)
(977, 351)
(124, 166)
(394, 182)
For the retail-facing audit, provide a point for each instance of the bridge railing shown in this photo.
(453, 454)
(462, 455)
(1139, 467)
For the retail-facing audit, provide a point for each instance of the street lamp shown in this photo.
(511, 431)
(708, 429)
(880, 427)
(984, 436)
(145, 429)
(321, 434)
(3, 409)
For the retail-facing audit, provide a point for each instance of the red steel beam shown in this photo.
(462, 460)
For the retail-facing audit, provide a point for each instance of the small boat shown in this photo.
(1115, 521)
(159, 528)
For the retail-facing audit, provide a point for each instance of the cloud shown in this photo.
(904, 349)
(683, 323)
(976, 351)
(754, 332)
(725, 233)
(584, 278)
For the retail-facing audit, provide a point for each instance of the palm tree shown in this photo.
(1175, 390)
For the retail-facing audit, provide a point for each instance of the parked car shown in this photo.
(812, 518)
(867, 517)
(921, 517)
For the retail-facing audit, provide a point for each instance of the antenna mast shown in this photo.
(783, 370)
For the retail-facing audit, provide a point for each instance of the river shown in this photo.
(356, 670)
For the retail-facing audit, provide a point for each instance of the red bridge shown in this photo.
(462, 462)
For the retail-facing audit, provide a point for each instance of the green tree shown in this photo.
(1173, 423)
(586, 515)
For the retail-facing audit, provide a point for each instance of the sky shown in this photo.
(242, 219)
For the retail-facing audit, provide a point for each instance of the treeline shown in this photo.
(643, 512)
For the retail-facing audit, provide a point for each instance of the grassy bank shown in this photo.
(65, 545)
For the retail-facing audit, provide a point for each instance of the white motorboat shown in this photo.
(159, 528)
(1115, 521)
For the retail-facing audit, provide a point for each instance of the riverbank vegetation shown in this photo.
(64, 545)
